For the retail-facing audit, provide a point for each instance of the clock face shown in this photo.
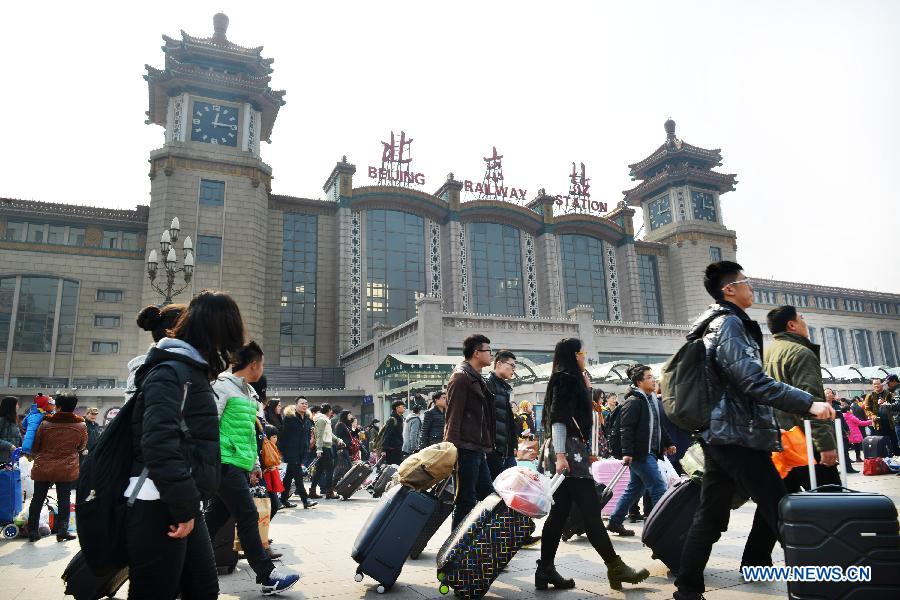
(704, 206)
(214, 124)
(660, 212)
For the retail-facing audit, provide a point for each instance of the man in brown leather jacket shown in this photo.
(470, 425)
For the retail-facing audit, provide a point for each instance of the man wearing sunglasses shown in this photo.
(505, 438)
(471, 426)
(742, 432)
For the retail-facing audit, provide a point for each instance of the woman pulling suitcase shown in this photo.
(567, 424)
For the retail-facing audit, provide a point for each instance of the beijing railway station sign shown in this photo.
(395, 169)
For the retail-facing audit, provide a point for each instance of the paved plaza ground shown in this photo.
(317, 543)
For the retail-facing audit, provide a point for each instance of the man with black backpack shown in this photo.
(740, 431)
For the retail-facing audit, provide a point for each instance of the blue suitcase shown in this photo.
(10, 495)
(389, 533)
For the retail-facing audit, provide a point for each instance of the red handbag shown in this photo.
(875, 466)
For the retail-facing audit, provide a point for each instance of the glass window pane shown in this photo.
(7, 292)
(583, 273)
(67, 313)
(110, 239)
(888, 347)
(129, 240)
(76, 236)
(56, 234)
(36, 314)
(15, 231)
(298, 287)
(648, 276)
(36, 233)
(212, 193)
(109, 295)
(395, 266)
(209, 249)
(497, 267)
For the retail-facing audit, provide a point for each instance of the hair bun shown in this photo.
(149, 317)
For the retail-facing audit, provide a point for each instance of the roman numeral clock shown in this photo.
(215, 124)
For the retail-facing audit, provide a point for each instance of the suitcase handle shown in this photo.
(618, 475)
(839, 440)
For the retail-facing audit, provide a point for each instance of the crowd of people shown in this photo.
(205, 435)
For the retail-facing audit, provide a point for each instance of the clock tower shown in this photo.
(214, 100)
(679, 194)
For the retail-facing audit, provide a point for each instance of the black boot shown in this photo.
(617, 572)
(547, 574)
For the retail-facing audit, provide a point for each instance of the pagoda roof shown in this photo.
(674, 174)
(25, 208)
(214, 66)
(677, 151)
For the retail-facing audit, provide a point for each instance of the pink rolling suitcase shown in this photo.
(603, 471)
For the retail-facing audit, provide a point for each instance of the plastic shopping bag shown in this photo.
(525, 491)
(668, 472)
(793, 454)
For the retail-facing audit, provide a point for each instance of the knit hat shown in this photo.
(44, 403)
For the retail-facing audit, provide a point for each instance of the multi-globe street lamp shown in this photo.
(168, 262)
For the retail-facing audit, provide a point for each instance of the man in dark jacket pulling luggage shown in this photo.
(794, 360)
(505, 435)
(644, 440)
(742, 432)
(470, 425)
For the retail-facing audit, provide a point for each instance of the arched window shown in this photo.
(496, 269)
(584, 278)
(46, 310)
(395, 266)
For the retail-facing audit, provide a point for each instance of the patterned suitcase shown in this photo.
(480, 547)
(353, 480)
(444, 492)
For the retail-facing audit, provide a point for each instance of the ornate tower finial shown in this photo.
(670, 129)
(220, 26)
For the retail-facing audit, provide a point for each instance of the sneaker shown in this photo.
(619, 529)
(279, 582)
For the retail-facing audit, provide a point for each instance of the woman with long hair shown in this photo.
(10, 432)
(176, 446)
(567, 424)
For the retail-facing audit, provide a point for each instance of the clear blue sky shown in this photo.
(802, 97)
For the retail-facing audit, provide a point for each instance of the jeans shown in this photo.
(497, 464)
(160, 566)
(761, 537)
(724, 468)
(474, 482)
(234, 499)
(63, 503)
(580, 491)
(324, 472)
(294, 474)
(644, 474)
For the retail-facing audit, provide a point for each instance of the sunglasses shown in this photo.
(740, 281)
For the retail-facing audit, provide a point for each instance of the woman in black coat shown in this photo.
(176, 443)
(567, 422)
(294, 445)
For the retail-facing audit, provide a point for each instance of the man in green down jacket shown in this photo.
(236, 401)
(793, 359)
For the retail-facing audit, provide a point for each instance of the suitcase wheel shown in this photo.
(380, 589)
(10, 531)
(358, 577)
(444, 589)
(442, 577)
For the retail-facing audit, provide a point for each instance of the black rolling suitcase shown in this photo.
(84, 585)
(836, 526)
(575, 521)
(670, 520)
(384, 542)
(382, 480)
(352, 480)
(444, 492)
(876, 445)
(223, 548)
(482, 545)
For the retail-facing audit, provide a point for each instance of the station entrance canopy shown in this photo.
(416, 366)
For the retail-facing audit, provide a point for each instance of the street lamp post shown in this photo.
(168, 261)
